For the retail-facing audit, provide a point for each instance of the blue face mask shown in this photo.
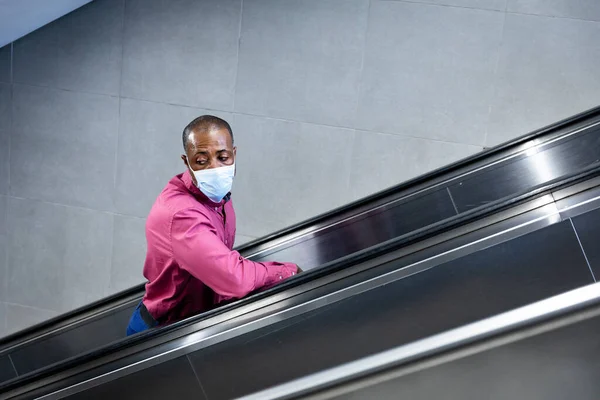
(215, 183)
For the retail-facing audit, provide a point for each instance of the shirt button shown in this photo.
(280, 277)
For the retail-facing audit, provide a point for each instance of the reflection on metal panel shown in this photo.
(357, 234)
(172, 380)
(535, 166)
(494, 280)
(562, 326)
(95, 333)
(557, 365)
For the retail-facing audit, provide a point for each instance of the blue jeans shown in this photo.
(137, 323)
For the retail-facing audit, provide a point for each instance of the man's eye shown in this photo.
(224, 159)
(201, 162)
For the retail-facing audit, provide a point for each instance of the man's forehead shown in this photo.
(210, 138)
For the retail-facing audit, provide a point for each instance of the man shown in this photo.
(190, 265)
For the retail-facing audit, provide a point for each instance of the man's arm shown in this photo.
(198, 250)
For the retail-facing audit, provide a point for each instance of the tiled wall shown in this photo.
(330, 100)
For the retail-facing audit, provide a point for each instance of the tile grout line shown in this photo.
(35, 85)
(552, 16)
(116, 159)
(106, 290)
(187, 356)
(495, 78)
(5, 319)
(6, 274)
(116, 156)
(442, 5)
(356, 107)
(237, 67)
(583, 250)
(75, 207)
(123, 13)
(362, 66)
(350, 168)
(349, 128)
(505, 10)
(452, 200)
(10, 303)
(111, 250)
(349, 188)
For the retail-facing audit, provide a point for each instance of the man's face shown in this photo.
(209, 149)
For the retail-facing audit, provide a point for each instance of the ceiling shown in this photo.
(19, 17)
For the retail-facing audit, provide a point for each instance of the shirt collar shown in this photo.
(186, 178)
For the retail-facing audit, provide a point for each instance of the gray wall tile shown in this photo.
(19, 317)
(266, 196)
(5, 114)
(59, 257)
(128, 254)
(584, 9)
(498, 5)
(301, 60)
(181, 52)
(548, 70)
(149, 151)
(81, 51)
(429, 71)
(242, 239)
(5, 63)
(4, 161)
(383, 160)
(63, 146)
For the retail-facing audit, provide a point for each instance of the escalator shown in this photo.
(547, 350)
(466, 242)
(400, 298)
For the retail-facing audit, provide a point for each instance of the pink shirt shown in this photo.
(190, 265)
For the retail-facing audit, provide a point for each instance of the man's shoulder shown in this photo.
(174, 199)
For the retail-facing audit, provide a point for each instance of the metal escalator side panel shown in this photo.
(446, 364)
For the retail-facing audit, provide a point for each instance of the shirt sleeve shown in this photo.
(198, 250)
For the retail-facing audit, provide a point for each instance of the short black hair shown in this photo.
(204, 123)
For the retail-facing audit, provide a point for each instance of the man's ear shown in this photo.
(187, 164)
(235, 160)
